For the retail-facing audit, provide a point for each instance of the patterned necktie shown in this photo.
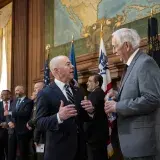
(6, 106)
(18, 104)
(69, 94)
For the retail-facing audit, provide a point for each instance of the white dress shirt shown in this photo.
(4, 103)
(61, 86)
(132, 56)
(22, 98)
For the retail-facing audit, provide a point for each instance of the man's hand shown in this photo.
(36, 144)
(4, 125)
(66, 112)
(110, 106)
(6, 113)
(29, 128)
(87, 105)
(111, 95)
(11, 125)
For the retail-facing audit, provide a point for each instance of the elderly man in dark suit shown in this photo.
(138, 98)
(97, 129)
(20, 114)
(4, 105)
(61, 111)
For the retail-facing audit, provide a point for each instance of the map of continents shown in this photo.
(72, 17)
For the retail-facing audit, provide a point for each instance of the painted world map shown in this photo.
(76, 17)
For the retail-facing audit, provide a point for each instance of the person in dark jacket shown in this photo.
(97, 129)
(4, 105)
(39, 135)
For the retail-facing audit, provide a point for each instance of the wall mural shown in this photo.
(83, 18)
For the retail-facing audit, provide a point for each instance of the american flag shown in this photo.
(46, 73)
(106, 86)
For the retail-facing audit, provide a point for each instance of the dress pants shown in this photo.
(23, 142)
(97, 151)
(141, 158)
(4, 144)
(12, 146)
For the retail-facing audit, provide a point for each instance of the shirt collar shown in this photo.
(131, 57)
(4, 102)
(60, 84)
(22, 98)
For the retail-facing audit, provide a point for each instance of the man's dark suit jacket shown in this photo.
(61, 139)
(97, 129)
(22, 115)
(2, 119)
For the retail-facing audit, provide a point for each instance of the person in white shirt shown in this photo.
(61, 112)
(4, 106)
(138, 98)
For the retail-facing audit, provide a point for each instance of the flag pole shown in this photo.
(101, 32)
(72, 38)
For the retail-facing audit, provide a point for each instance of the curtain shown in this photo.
(8, 41)
(5, 46)
(1, 37)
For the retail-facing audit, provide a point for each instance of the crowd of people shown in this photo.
(75, 127)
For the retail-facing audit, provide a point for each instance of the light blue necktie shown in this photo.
(18, 104)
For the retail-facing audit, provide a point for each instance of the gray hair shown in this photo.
(127, 35)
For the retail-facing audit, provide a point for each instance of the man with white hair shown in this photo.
(61, 112)
(138, 98)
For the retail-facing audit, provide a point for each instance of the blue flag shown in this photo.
(153, 40)
(46, 73)
(73, 61)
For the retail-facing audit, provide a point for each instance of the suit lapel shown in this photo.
(129, 69)
(59, 93)
(22, 104)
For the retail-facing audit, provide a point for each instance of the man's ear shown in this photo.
(55, 70)
(97, 84)
(128, 46)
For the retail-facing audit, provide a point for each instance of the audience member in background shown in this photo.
(21, 110)
(39, 136)
(97, 129)
(4, 106)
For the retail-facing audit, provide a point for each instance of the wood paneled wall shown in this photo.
(19, 43)
(36, 52)
(28, 42)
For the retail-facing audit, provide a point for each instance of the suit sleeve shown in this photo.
(38, 135)
(97, 99)
(149, 88)
(84, 116)
(44, 120)
(26, 112)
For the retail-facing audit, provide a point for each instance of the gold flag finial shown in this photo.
(101, 27)
(151, 15)
(72, 37)
(48, 46)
